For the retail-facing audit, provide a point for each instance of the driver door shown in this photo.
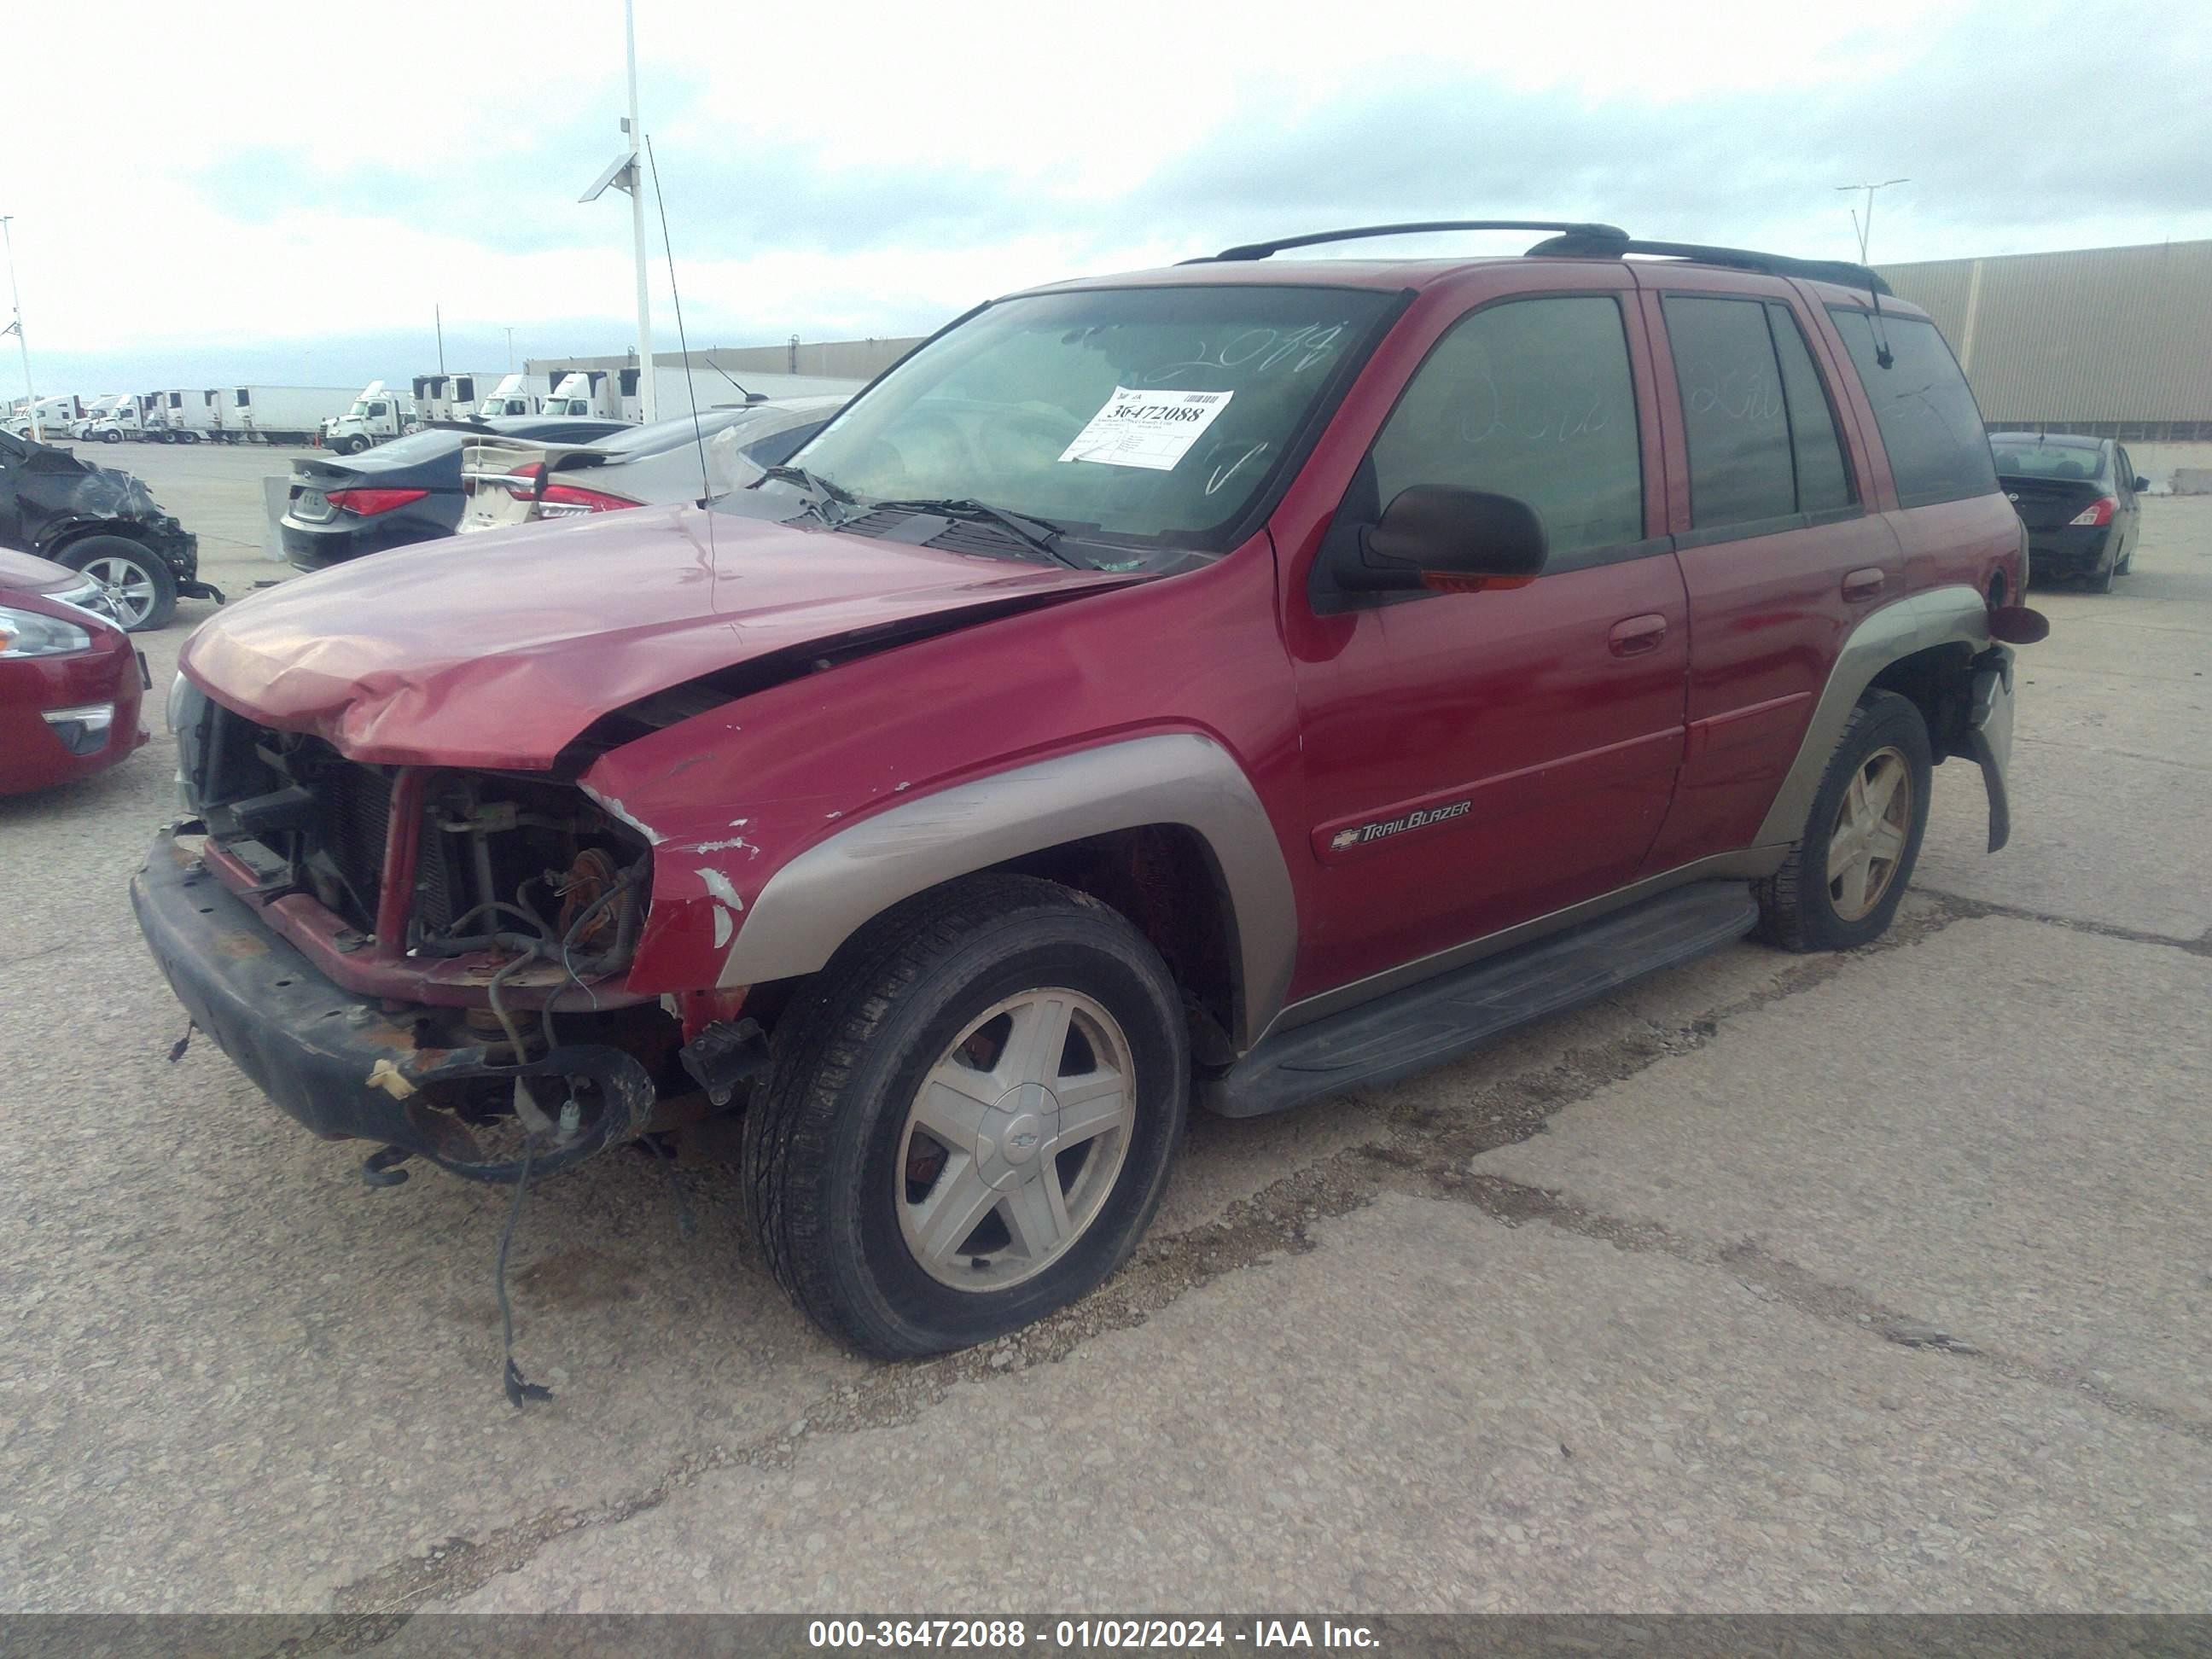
(1475, 760)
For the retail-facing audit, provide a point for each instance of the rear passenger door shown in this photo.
(1778, 554)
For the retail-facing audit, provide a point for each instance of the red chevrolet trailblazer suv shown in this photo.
(1235, 684)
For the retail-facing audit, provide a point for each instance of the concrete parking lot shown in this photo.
(1880, 1281)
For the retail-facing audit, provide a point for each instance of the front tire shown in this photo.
(1842, 882)
(971, 1116)
(144, 586)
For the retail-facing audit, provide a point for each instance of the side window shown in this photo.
(1823, 483)
(2123, 470)
(1531, 399)
(1939, 450)
(1741, 467)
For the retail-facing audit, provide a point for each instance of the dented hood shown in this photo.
(498, 649)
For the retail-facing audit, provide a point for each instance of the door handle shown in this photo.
(1863, 584)
(1633, 637)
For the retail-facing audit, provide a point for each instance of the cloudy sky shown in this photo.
(235, 191)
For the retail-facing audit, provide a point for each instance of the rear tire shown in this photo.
(145, 586)
(1842, 882)
(970, 1118)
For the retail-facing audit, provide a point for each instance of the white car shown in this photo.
(512, 481)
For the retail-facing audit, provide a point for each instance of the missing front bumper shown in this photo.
(337, 1062)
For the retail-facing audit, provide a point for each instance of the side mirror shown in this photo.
(1450, 539)
(2141, 483)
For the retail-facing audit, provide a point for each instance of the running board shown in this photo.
(1442, 1018)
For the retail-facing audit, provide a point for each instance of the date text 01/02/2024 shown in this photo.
(1084, 1634)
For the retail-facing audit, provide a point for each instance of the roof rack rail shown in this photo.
(1598, 235)
(1575, 246)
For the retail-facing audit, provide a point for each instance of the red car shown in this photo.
(1230, 684)
(69, 678)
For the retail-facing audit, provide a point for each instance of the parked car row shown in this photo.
(515, 469)
(1223, 686)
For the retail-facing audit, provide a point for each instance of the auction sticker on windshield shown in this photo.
(1153, 429)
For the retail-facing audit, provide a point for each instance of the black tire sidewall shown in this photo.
(1889, 721)
(888, 1292)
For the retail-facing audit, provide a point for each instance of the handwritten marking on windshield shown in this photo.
(1222, 474)
(1258, 352)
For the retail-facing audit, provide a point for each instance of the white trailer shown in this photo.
(283, 413)
(454, 396)
(181, 417)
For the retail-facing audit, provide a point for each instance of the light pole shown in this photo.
(23, 343)
(510, 351)
(1865, 228)
(623, 173)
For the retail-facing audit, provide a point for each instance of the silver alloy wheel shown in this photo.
(1014, 1139)
(1872, 824)
(130, 583)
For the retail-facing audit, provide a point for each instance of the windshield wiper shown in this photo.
(819, 491)
(1042, 534)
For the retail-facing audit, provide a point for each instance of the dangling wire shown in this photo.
(517, 1390)
(706, 483)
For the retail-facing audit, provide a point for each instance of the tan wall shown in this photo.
(2121, 334)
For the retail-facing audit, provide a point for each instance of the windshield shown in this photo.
(1149, 412)
(2030, 457)
(359, 408)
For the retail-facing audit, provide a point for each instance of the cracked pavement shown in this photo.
(1871, 1282)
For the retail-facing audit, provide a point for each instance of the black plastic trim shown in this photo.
(1441, 1018)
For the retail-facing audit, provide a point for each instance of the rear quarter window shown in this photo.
(1938, 447)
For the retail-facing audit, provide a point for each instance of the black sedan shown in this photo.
(407, 490)
(2077, 498)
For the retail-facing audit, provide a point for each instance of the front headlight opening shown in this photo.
(30, 634)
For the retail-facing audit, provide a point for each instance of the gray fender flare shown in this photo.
(1939, 616)
(821, 898)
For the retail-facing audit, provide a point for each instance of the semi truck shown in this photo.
(282, 414)
(54, 414)
(128, 414)
(373, 416)
(587, 391)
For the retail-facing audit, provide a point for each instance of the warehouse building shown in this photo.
(2111, 342)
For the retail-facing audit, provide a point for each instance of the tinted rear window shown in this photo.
(1939, 450)
(2028, 458)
